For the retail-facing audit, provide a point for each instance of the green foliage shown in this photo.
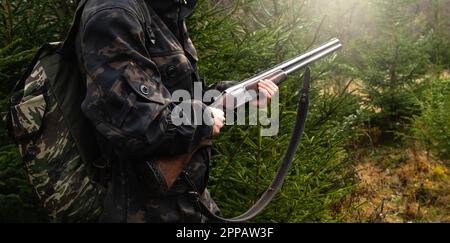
(17, 199)
(12, 61)
(391, 59)
(432, 127)
(26, 25)
(440, 36)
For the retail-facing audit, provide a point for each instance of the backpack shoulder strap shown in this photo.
(68, 46)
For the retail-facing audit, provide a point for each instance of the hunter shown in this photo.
(135, 54)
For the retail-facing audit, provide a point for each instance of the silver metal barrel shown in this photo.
(297, 62)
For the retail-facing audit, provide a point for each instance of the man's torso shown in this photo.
(172, 51)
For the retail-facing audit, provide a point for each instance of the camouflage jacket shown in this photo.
(132, 65)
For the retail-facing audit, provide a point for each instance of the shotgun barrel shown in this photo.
(239, 93)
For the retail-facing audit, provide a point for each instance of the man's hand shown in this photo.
(267, 90)
(219, 121)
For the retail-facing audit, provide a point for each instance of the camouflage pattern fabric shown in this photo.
(61, 179)
(134, 59)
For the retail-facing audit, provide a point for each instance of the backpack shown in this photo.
(56, 142)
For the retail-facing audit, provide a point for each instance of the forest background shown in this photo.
(377, 141)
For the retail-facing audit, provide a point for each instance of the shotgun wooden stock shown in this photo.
(171, 167)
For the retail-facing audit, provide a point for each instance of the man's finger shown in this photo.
(267, 89)
(264, 95)
(272, 85)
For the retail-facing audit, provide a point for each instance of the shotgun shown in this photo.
(239, 93)
(167, 170)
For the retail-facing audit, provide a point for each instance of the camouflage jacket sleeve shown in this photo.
(126, 99)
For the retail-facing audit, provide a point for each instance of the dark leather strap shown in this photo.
(68, 46)
(266, 198)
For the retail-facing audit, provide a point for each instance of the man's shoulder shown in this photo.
(95, 6)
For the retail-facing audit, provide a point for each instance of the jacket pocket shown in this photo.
(176, 71)
(145, 86)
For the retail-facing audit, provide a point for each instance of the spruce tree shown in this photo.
(392, 58)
